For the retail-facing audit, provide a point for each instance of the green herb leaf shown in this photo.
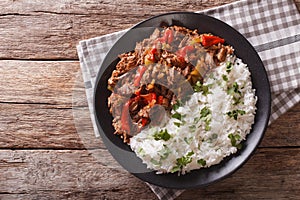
(228, 66)
(178, 124)
(182, 162)
(165, 152)
(207, 127)
(204, 112)
(155, 162)
(162, 135)
(192, 128)
(224, 77)
(234, 114)
(201, 162)
(205, 91)
(177, 116)
(234, 140)
(196, 120)
(199, 87)
(234, 89)
(177, 105)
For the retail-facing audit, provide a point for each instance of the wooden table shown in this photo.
(41, 154)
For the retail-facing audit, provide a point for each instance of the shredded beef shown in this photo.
(160, 70)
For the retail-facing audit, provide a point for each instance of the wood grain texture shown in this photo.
(45, 174)
(59, 25)
(43, 82)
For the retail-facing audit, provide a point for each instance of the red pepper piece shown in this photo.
(144, 121)
(150, 98)
(141, 70)
(125, 117)
(181, 53)
(152, 53)
(160, 100)
(209, 40)
(168, 37)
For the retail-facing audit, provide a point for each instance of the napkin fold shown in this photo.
(271, 26)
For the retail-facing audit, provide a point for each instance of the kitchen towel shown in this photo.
(271, 26)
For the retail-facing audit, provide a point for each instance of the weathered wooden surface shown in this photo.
(59, 25)
(45, 125)
(61, 174)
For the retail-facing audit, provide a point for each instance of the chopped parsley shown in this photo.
(165, 152)
(188, 140)
(234, 140)
(212, 138)
(177, 116)
(204, 112)
(224, 77)
(196, 120)
(234, 114)
(228, 66)
(192, 128)
(178, 124)
(199, 87)
(177, 105)
(182, 162)
(235, 93)
(234, 89)
(141, 151)
(155, 162)
(201, 162)
(162, 135)
(205, 115)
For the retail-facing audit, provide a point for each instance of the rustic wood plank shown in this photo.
(39, 30)
(39, 82)
(270, 174)
(65, 175)
(45, 126)
(75, 174)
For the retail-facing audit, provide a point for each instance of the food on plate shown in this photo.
(181, 100)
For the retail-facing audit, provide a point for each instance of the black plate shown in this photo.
(243, 49)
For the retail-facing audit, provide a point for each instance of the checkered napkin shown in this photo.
(271, 26)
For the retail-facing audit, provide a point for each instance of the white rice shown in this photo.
(202, 142)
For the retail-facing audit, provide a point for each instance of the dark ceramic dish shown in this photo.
(197, 178)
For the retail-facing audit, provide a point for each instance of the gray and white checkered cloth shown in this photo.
(271, 26)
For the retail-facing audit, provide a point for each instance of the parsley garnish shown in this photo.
(204, 112)
(177, 105)
(192, 128)
(228, 66)
(199, 87)
(234, 139)
(188, 140)
(205, 115)
(201, 162)
(155, 162)
(177, 116)
(165, 152)
(224, 77)
(178, 124)
(234, 89)
(162, 135)
(234, 114)
(182, 162)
